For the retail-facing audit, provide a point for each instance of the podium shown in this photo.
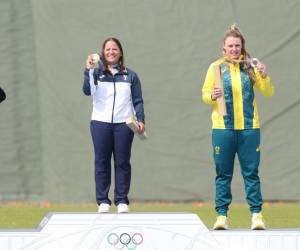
(140, 231)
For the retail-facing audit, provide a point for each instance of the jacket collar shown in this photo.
(234, 61)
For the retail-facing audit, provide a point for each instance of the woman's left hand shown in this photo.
(141, 127)
(261, 68)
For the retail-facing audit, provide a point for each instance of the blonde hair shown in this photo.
(234, 31)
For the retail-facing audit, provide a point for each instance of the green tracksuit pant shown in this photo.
(246, 144)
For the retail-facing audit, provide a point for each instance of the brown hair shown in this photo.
(234, 31)
(121, 60)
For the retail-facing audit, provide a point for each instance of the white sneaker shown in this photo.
(257, 222)
(123, 208)
(103, 208)
(221, 223)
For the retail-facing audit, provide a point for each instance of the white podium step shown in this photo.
(140, 231)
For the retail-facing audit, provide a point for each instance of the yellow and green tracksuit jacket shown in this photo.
(239, 96)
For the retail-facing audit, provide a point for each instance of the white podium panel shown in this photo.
(94, 231)
(271, 239)
(140, 231)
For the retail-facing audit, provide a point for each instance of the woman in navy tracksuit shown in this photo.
(117, 95)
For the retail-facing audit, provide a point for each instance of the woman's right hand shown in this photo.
(91, 61)
(217, 92)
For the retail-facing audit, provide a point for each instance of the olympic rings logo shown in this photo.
(125, 240)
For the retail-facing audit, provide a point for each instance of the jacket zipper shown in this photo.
(112, 114)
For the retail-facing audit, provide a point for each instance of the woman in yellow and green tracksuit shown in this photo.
(238, 131)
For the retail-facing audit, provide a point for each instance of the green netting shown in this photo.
(45, 145)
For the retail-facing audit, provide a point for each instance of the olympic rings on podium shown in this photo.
(125, 240)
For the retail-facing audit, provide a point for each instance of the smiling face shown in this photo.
(232, 47)
(112, 53)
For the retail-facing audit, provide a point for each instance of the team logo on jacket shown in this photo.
(217, 150)
(125, 77)
(102, 76)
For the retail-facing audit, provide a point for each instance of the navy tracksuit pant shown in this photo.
(109, 140)
(246, 144)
